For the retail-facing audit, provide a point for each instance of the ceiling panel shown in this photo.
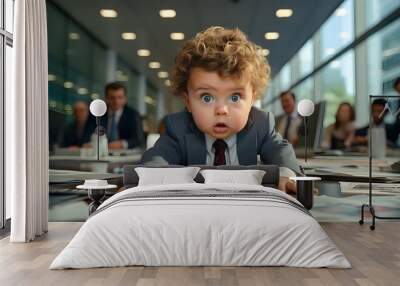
(254, 17)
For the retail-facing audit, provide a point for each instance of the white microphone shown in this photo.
(305, 108)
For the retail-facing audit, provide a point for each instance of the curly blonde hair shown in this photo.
(226, 51)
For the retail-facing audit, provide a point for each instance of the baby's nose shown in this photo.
(221, 109)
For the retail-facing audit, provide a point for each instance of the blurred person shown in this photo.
(288, 123)
(394, 129)
(76, 134)
(340, 135)
(378, 121)
(123, 124)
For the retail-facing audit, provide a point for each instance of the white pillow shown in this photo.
(249, 177)
(163, 176)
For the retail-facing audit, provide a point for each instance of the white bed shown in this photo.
(221, 225)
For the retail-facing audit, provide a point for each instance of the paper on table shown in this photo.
(363, 188)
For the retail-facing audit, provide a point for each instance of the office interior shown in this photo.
(331, 53)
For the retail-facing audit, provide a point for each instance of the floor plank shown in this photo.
(375, 257)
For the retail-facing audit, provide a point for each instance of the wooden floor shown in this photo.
(375, 257)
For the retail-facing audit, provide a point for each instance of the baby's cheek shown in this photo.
(202, 121)
(239, 121)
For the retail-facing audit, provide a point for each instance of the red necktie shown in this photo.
(219, 158)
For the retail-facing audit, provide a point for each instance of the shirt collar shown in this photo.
(230, 142)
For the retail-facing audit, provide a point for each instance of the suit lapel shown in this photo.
(195, 149)
(195, 143)
(247, 144)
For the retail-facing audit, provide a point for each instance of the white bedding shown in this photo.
(183, 231)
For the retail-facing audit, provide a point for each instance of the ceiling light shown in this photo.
(167, 13)
(51, 77)
(264, 52)
(74, 36)
(167, 82)
(177, 36)
(284, 13)
(53, 103)
(149, 100)
(82, 91)
(68, 84)
(128, 36)
(162, 74)
(272, 36)
(122, 77)
(154, 65)
(94, 95)
(143, 53)
(108, 13)
(341, 12)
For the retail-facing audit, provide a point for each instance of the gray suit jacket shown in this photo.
(184, 144)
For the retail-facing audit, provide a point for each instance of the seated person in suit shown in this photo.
(77, 134)
(219, 74)
(394, 129)
(378, 115)
(123, 124)
(288, 123)
(340, 135)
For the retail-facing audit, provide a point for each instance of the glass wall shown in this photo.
(6, 65)
(78, 69)
(338, 84)
(306, 58)
(376, 10)
(329, 65)
(338, 30)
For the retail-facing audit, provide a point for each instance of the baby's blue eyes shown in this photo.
(235, 98)
(206, 98)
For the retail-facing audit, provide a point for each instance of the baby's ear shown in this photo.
(186, 101)
(254, 98)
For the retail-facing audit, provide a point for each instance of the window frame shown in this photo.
(6, 39)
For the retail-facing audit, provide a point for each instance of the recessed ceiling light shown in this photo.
(272, 36)
(154, 65)
(82, 91)
(53, 103)
(167, 82)
(167, 13)
(177, 36)
(284, 13)
(74, 36)
(149, 100)
(108, 13)
(264, 52)
(68, 84)
(128, 36)
(94, 95)
(162, 74)
(340, 12)
(143, 53)
(51, 77)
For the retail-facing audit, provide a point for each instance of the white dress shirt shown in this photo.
(231, 156)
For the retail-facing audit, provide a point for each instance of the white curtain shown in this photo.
(27, 124)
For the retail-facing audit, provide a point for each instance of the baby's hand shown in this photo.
(286, 185)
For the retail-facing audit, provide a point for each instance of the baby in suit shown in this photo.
(219, 74)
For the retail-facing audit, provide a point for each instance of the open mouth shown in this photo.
(220, 128)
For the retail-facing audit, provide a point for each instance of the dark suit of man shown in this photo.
(74, 136)
(184, 144)
(129, 127)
